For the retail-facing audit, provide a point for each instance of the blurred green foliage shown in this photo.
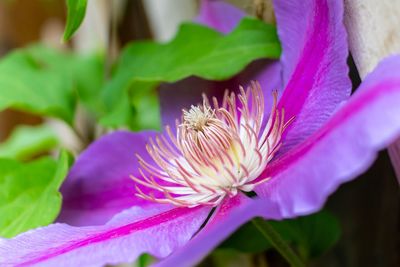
(311, 235)
(48, 82)
(26, 142)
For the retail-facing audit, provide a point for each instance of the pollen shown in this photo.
(216, 151)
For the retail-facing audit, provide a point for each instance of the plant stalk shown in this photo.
(278, 242)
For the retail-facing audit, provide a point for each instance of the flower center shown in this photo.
(216, 151)
(198, 117)
(204, 133)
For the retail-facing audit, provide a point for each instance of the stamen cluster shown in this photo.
(217, 150)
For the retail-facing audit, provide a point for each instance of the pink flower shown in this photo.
(324, 139)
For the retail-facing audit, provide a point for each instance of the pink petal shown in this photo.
(314, 56)
(342, 149)
(229, 216)
(98, 185)
(219, 15)
(122, 240)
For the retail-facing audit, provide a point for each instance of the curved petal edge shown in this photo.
(342, 149)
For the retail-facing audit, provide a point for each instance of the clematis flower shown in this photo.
(293, 152)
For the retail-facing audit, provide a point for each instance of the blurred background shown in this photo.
(368, 208)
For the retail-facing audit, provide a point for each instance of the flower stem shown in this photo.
(277, 242)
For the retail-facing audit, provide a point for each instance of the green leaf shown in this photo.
(196, 50)
(47, 82)
(76, 13)
(145, 260)
(28, 141)
(230, 258)
(29, 194)
(247, 239)
(85, 72)
(26, 85)
(139, 111)
(312, 235)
